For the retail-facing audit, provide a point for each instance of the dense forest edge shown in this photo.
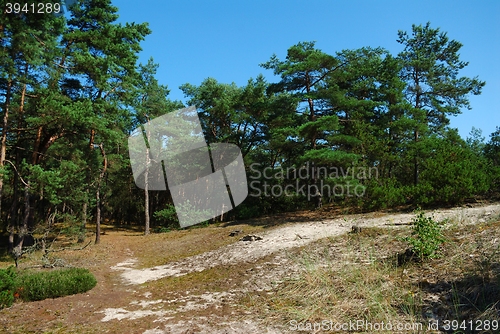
(365, 128)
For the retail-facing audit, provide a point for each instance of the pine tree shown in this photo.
(431, 65)
(28, 51)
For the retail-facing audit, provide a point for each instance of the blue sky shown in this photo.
(227, 40)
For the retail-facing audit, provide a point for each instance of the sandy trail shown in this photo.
(290, 236)
(274, 241)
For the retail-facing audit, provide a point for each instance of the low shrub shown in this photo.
(7, 286)
(167, 217)
(426, 237)
(53, 284)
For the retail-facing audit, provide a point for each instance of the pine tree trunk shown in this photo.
(16, 249)
(146, 184)
(146, 194)
(3, 150)
(98, 195)
(146, 210)
(416, 134)
(81, 234)
(23, 229)
(87, 191)
(98, 217)
(415, 162)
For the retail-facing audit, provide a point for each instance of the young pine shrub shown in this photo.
(426, 237)
(7, 286)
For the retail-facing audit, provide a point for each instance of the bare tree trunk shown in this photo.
(3, 150)
(415, 162)
(146, 194)
(312, 118)
(416, 134)
(13, 222)
(146, 183)
(98, 218)
(81, 234)
(98, 196)
(146, 210)
(23, 230)
(312, 112)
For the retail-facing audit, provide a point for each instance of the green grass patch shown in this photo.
(33, 286)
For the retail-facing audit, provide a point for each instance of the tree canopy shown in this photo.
(366, 128)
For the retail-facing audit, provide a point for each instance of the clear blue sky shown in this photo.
(227, 40)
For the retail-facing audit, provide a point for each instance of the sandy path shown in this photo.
(274, 241)
(290, 236)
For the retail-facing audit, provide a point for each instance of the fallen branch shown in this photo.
(398, 224)
(49, 250)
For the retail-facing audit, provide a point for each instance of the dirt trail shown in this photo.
(289, 236)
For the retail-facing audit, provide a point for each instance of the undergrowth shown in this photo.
(31, 286)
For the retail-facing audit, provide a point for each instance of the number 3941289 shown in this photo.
(34, 8)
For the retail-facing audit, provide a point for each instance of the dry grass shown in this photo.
(161, 248)
(357, 277)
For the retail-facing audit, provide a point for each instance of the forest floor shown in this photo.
(308, 267)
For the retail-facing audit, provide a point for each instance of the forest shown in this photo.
(365, 128)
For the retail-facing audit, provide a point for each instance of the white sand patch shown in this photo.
(126, 263)
(290, 236)
(121, 313)
(196, 302)
(154, 331)
(145, 303)
(155, 307)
